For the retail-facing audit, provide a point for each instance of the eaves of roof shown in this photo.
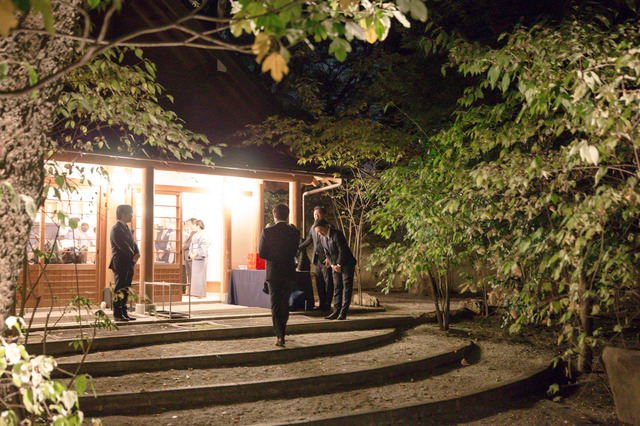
(190, 166)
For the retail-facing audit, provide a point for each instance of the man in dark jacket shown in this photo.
(278, 246)
(125, 254)
(324, 276)
(342, 263)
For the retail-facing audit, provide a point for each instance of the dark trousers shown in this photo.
(186, 273)
(324, 285)
(279, 295)
(123, 280)
(343, 289)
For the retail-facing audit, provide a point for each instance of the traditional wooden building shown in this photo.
(230, 201)
(215, 95)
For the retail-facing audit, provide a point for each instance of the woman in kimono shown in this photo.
(198, 253)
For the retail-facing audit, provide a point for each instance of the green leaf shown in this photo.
(93, 3)
(404, 5)
(4, 70)
(60, 181)
(340, 47)
(418, 10)
(401, 18)
(30, 206)
(23, 5)
(353, 30)
(44, 7)
(506, 80)
(494, 73)
(81, 383)
(149, 68)
(33, 75)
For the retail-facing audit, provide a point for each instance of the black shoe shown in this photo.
(333, 316)
(280, 343)
(123, 319)
(342, 317)
(129, 318)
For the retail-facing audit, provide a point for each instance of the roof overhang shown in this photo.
(303, 178)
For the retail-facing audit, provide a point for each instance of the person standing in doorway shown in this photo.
(278, 246)
(187, 236)
(342, 263)
(125, 254)
(198, 253)
(323, 275)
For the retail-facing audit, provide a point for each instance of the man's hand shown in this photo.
(326, 263)
(337, 268)
(136, 257)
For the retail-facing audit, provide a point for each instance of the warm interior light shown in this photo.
(120, 183)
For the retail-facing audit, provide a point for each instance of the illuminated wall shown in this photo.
(202, 197)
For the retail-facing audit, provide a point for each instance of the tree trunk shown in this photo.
(436, 299)
(585, 358)
(25, 123)
(447, 296)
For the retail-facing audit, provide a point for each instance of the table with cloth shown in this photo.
(245, 288)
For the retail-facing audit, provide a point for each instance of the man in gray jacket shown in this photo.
(324, 276)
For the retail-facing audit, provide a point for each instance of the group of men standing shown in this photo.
(279, 244)
(333, 260)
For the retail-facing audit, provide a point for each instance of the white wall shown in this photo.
(242, 198)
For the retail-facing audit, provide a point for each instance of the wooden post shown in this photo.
(295, 200)
(259, 219)
(102, 239)
(226, 241)
(146, 237)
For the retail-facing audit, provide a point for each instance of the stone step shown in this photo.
(131, 339)
(138, 401)
(534, 381)
(366, 396)
(122, 362)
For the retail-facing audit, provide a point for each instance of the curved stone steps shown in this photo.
(288, 394)
(114, 367)
(535, 381)
(106, 342)
(234, 393)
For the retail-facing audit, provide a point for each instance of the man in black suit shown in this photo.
(278, 246)
(125, 254)
(342, 263)
(324, 275)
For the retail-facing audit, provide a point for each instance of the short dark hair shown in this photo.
(123, 209)
(281, 211)
(320, 222)
(199, 223)
(322, 209)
